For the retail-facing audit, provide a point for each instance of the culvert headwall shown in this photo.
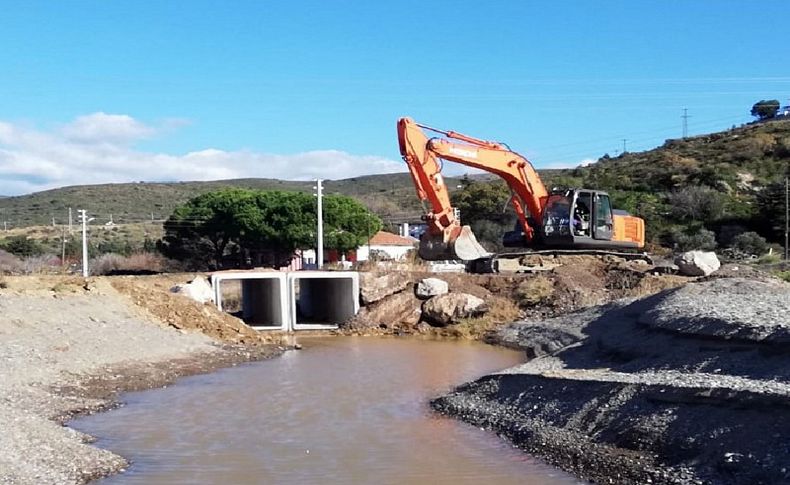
(300, 300)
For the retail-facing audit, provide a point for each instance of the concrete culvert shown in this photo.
(259, 297)
(321, 299)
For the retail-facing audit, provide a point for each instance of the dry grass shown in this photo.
(135, 263)
(534, 291)
(501, 311)
(9, 264)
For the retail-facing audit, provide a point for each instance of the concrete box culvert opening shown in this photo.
(323, 299)
(258, 298)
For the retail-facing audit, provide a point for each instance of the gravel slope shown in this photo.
(69, 350)
(688, 386)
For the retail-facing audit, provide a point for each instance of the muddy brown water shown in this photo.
(342, 410)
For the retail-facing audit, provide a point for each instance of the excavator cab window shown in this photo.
(557, 216)
(582, 211)
(603, 217)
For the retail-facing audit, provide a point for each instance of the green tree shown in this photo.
(765, 109)
(200, 231)
(482, 201)
(347, 223)
(697, 203)
(23, 247)
(771, 210)
(242, 227)
(485, 207)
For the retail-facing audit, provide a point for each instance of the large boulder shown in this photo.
(374, 287)
(198, 289)
(399, 311)
(449, 309)
(430, 287)
(697, 263)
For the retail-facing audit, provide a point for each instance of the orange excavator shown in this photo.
(570, 219)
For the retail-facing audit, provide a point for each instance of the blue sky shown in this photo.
(98, 91)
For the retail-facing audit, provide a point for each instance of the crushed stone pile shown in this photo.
(691, 385)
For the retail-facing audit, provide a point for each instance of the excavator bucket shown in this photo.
(460, 243)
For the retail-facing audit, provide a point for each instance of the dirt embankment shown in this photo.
(391, 306)
(69, 346)
(691, 385)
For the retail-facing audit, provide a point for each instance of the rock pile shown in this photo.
(392, 301)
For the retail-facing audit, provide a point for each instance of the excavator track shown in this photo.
(543, 260)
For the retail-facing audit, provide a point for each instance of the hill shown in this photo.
(716, 181)
(144, 201)
(709, 181)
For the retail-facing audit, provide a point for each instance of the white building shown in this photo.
(387, 244)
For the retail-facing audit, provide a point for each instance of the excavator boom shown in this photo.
(445, 238)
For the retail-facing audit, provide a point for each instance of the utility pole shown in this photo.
(624, 150)
(685, 117)
(63, 246)
(70, 232)
(787, 215)
(84, 219)
(319, 252)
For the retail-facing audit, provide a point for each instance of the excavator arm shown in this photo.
(445, 237)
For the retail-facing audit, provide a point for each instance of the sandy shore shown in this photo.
(66, 350)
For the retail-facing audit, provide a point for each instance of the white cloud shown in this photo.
(105, 128)
(99, 148)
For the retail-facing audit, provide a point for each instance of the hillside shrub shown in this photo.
(697, 203)
(136, 263)
(9, 264)
(750, 243)
(700, 239)
(23, 247)
(44, 263)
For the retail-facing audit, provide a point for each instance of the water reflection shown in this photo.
(343, 410)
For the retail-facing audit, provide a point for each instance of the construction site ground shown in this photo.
(634, 376)
(613, 381)
(70, 346)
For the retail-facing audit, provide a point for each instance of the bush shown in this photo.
(750, 243)
(9, 264)
(23, 247)
(534, 291)
(40, 264)
(696, 203)
(701, 239)
(138, 263)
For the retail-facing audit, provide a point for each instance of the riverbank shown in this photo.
(691, 385)
(69, 346)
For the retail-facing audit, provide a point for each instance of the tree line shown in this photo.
(243, 228)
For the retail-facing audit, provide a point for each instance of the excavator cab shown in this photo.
(580, 218)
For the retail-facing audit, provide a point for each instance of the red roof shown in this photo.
(382, 238)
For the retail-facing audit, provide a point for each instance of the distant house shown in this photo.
(386, 244)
